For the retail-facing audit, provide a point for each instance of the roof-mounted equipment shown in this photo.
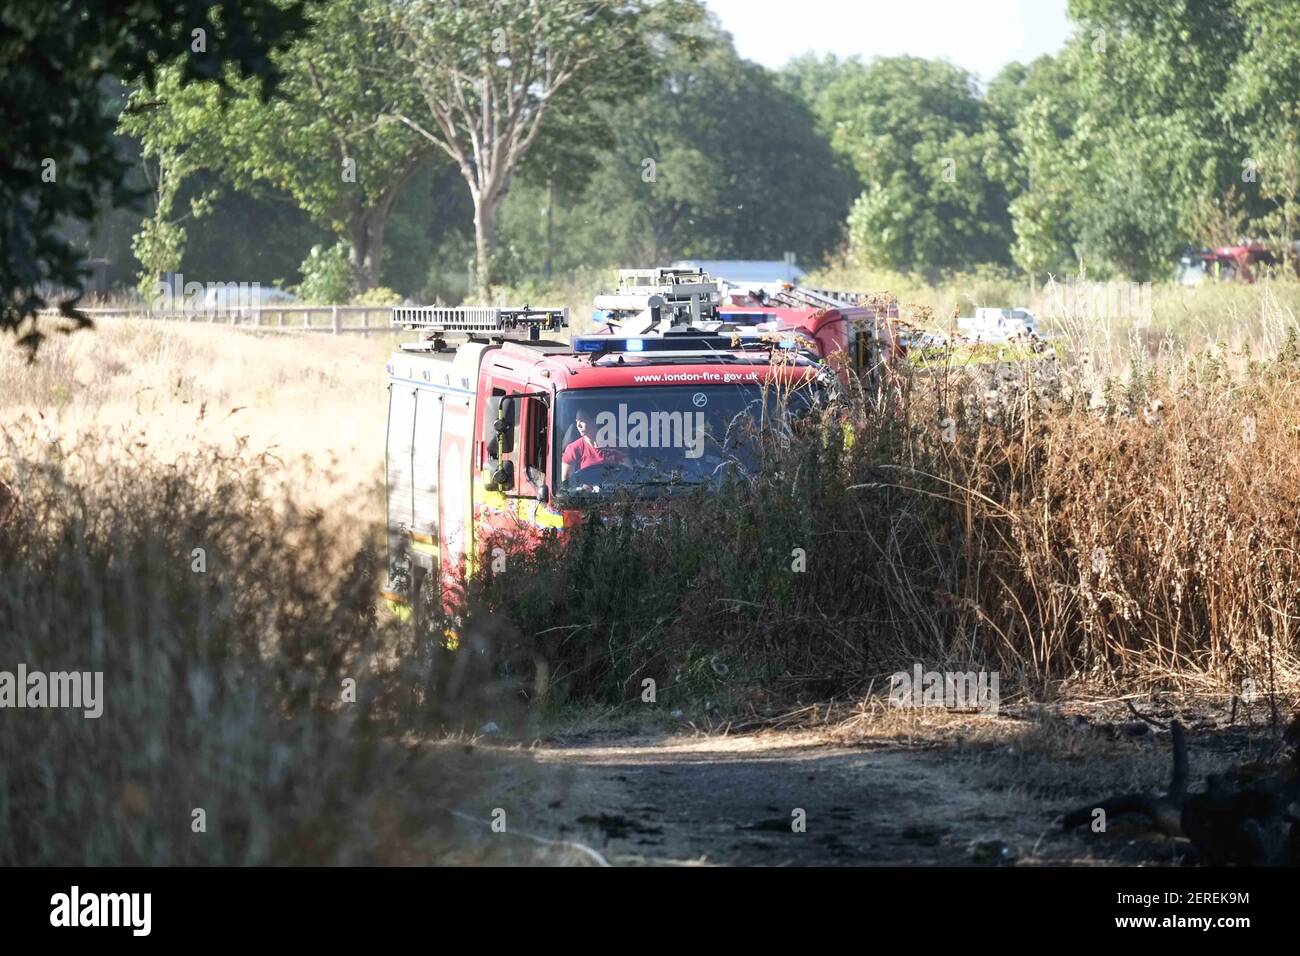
(482, 321)
(648, 297)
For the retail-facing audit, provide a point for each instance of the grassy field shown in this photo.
(1109, 529)
(194, 512)
(312, 407)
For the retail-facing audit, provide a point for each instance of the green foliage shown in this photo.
(933, 171)
(378, 296)
(57, 62)
(258, 236)
(809, 76)
(1154, 116)
(718, 161)
(326, 275)
(321, 140)
(1144, 135)
(160, 243)
(491, 76)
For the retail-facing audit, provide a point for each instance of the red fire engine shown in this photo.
(512, 435)
(858, 332)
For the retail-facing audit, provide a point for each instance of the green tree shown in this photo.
(933, 171)
(160, 243)
(273, 234)
(490, 76)
(326, 274)
(810, 76)
(718, 161)
(58, 160)
(320, 140)
(1263, 98)
(1126, 147)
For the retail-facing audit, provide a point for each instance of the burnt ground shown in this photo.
(874, 786)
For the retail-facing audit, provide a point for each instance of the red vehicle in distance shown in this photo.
(1245, 262)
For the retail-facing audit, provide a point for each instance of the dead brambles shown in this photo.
(252, 700)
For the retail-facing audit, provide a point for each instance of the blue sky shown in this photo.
(980, 35)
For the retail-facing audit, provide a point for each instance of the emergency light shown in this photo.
(667, 343)
(675, 342)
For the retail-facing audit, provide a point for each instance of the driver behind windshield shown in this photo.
(584, 452)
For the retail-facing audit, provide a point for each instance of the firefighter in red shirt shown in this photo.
(583, 452)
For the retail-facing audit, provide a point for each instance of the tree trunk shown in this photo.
(485, 211)
(366, 246)
(550, 235)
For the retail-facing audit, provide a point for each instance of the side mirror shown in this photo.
(498, 439)
(498, 425)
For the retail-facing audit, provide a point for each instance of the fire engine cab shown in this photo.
(512, 435)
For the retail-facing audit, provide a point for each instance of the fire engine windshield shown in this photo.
(647, 440)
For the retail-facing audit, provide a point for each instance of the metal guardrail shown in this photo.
(289, 318)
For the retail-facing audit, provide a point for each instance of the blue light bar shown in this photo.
(607, 343)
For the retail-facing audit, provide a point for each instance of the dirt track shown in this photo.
(968, 791)
(736, 800)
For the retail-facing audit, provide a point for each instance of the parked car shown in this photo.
(234, 295)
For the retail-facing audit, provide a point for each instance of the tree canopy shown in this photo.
(513, 138)
(58, 161)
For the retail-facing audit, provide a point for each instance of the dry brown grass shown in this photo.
(1126, 528)
(1153, 537)
(1235, 316)
(315, 405)
(121, 452)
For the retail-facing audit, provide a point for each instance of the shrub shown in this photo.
(377, 296)
(326, 275)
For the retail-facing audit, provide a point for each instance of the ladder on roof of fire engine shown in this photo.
(801, 296)
(805, 297)
(676, 283)
(486, 321)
